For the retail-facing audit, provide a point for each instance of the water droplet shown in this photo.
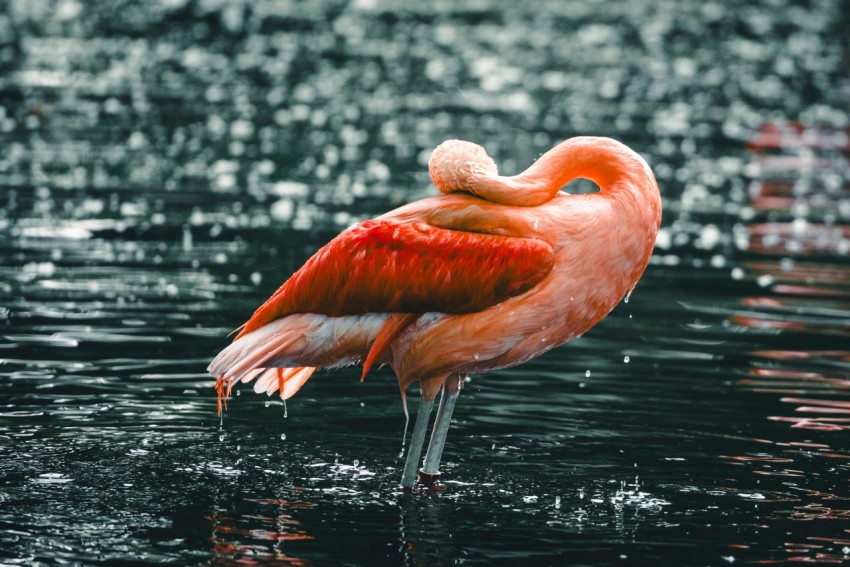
(267, 404)
(587, 373)
(356, 463)
(283, 436)
(238, 392)
(737, 274)
(557, 503)
(221, 437)
(285, 410)
(626, 359)
(187, 239)
(362, 404)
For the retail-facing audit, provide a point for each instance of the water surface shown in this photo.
(165, 169)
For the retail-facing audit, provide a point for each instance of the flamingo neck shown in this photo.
(613, 166)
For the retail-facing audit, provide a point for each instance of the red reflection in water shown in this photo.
(800, 169)
(798, 238)
(800, 198)
(798, 136)
(829, 414)
(827, 355)
(794, 270)
(255, 539)
(798, 165)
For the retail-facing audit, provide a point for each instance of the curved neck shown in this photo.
(610, 164)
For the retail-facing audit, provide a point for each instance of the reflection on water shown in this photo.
(165, 167)
(796, 171)
(800, 185)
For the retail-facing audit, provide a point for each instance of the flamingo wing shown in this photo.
(401, 266)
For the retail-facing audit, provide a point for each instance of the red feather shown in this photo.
(385, 266)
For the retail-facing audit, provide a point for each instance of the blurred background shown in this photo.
(165, 165)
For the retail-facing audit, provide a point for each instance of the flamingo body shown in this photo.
(491, 273)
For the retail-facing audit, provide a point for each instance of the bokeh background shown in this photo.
(165, 165)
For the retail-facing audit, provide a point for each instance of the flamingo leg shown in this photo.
(414, 452)
(451, 390)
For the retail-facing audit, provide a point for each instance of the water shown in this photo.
(165, 168)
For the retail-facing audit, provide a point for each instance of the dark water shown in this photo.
(165, 166)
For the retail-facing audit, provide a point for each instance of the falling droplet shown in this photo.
(404, 435)
(285, 410)
(587, 373)
(267, 404)
(356, 463)
(221, 437)
(238, 392)
(626, 359)
(557, 503)
(283, 436)
(187, 239)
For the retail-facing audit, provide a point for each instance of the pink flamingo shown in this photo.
(493, 272)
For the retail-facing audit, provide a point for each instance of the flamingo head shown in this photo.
(457, 165)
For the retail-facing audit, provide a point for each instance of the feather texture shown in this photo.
(387, 265)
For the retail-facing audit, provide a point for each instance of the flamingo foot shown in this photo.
(430, 481)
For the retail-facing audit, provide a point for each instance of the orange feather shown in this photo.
(392, 328)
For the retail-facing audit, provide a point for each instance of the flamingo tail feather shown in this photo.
(391, 329)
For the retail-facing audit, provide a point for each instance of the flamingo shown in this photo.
(492, 272)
